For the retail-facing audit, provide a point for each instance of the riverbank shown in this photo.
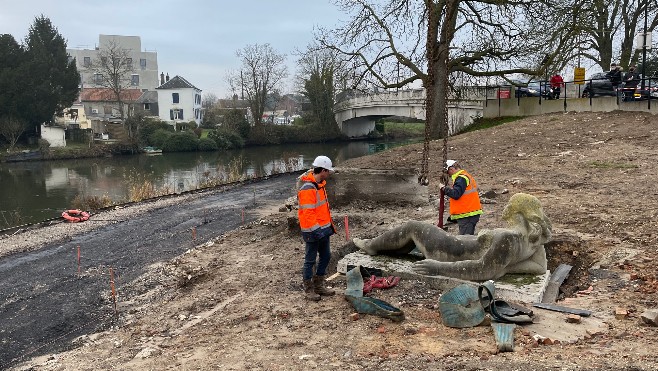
(235, 302)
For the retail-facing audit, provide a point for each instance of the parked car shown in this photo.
(598, 84)
(650, 90)
(531, 89)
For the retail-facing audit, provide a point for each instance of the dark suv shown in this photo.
(530, 89)
(598, 84)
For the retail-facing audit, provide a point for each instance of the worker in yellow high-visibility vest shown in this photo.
(465, 207)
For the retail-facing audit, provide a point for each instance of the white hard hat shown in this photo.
(323, 162)
(450, 163)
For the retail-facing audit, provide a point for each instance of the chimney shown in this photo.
(161, 78)
(167, 76)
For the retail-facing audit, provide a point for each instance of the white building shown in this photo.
(144, 75)
(179, 101)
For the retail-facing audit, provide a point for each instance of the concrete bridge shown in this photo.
(356, 113)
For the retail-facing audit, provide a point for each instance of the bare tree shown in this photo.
(112, 69)
(427, 40)
(11, 128)
(261, 71)
(209, 100)
(321, 72)
(609, 29)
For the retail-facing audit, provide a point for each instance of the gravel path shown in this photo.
(47, 300)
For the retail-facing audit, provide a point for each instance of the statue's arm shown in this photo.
(536, 264)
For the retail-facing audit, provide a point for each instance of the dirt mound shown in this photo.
(235, 303)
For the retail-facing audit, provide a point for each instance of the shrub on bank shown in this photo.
(282, 134)
(181, 142)
(149, 128)
(226, 139)
(207, 144)
(159, 137)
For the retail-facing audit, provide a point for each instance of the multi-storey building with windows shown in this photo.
(144, 74)
(179, 101)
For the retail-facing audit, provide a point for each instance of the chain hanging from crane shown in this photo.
(423, 179)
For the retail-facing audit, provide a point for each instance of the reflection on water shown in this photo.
(35, 191)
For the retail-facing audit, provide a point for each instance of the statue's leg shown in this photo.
(399, 240)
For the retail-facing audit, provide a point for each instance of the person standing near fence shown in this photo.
(615, 76)
(556, 84)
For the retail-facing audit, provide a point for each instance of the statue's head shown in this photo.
(526, 209)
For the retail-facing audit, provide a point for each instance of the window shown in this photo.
(174, 97)
(86, 61)
(147, 106)
(134, 80)
(97, 78)
(142, 63)
(129, 62)
(176, 114)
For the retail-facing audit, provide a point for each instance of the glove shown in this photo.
(441, 185)
(380, 283)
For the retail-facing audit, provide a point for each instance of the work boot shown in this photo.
(309, 289)
(320, 288)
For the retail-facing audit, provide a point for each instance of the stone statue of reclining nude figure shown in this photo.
(489, 255)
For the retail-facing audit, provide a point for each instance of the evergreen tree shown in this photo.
(51, 83)
(11, 58)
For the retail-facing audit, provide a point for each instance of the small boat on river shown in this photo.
(152, 150)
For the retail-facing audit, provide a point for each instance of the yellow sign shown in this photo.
(579, 75)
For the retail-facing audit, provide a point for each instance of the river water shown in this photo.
(40, 190)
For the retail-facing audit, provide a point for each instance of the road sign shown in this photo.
(579, 75)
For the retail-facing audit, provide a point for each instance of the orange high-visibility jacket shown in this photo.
(469, 203)
(313, 205)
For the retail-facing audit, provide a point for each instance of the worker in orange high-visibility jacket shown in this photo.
(465, 207)
(316, 225)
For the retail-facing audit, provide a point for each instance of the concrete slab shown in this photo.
(553, 325)
(376, 185)
(514, 288)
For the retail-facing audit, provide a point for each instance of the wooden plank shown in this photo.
(558, 308)
(553, 287)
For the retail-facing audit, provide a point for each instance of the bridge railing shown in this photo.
(570, 89)
(589, 88)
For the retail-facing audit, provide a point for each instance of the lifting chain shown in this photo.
(423, 179)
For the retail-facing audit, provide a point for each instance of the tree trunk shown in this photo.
(436, 100)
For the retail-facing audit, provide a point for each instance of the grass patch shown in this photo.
(485, 123)
(611, 165)
(392, 129)
(83, 202)
(519, 279)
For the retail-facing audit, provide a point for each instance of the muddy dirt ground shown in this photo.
(235, 302)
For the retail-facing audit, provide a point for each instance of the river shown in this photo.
(40, 190)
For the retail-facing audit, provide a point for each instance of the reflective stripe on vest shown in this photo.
(469, 203)
(313, 209)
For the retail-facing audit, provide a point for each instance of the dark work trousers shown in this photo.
(467, 225)
(313, 249)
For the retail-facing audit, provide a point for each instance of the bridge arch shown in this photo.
(356, 113)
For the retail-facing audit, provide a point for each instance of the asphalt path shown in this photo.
(45, 303)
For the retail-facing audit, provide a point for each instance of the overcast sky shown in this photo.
(196, 39)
